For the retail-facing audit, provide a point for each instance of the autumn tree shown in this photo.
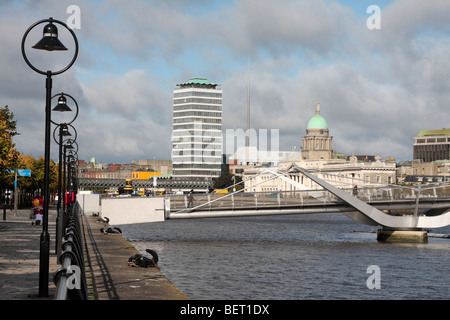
(11, 160)
(38, 174)
(8, 154)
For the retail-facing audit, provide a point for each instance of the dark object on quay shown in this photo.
(113, 231)
(138, 260)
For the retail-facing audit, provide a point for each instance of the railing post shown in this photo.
(232, 201)
(416, 210)
(301, 197)
(166, 208)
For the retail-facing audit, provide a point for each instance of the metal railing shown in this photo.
(141, 183)
(70, 279)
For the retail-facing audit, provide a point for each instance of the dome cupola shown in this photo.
(317, 122)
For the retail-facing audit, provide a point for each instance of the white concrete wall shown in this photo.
(89, 203)
(132, 210)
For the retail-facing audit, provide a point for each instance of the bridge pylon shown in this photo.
(395, 228)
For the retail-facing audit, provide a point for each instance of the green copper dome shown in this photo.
(317, 122)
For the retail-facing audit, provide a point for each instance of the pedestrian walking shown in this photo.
(191, 198)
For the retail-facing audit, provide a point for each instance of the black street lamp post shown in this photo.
(49, 42)
(63, 132)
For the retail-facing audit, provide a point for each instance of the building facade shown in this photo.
(197, 130)
(432, 145)
(344, 174)
(142, 169)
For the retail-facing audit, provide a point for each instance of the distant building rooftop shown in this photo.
(440, 132)
(198, 82)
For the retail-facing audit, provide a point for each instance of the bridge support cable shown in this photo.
(197, 211)
(209, 202)
(355, 215)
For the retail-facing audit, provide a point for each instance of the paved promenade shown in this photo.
(19, 256)
(109, 276)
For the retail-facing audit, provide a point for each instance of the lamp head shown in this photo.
(65, 130)
(50, 41)
(69, 145)
(62, 105)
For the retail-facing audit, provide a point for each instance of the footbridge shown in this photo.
(402, 212)
(390, 206)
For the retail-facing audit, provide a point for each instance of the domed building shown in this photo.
(317, 144)
(317, 155)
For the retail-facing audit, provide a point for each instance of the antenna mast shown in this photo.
(248, 103)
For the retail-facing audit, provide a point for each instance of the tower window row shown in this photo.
(197, 100)
(197, 94)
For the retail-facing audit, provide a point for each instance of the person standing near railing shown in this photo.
(191, 199)
(355, 190)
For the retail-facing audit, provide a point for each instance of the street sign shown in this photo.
(24, 172)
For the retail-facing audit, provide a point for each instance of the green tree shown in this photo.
(226, 180)
(8, 154)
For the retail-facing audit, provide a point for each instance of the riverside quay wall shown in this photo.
(126, 210)
(111, 276)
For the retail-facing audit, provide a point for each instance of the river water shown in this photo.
(292, 257)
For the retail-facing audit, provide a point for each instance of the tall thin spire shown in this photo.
(248, 103)
(318, 108)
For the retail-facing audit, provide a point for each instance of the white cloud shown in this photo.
(377, 88)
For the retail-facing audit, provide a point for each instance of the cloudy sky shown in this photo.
(377, 87)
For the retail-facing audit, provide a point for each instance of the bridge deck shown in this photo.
(251, 201)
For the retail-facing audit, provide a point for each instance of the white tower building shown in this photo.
(197, 130)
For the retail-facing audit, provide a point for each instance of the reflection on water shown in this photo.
(321, 256)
